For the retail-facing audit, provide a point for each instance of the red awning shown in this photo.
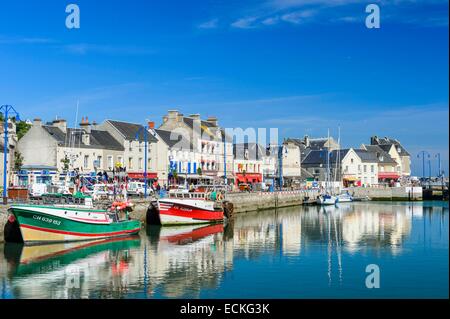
(388, 175)
(249, 177)
(141, 175)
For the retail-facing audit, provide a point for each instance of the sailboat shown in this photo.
(327, 198)
(343, 197)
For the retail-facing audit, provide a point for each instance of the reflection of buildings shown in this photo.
(376, 226)
(181, 262)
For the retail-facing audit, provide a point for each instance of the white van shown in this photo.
(37, 189)
(138, 189)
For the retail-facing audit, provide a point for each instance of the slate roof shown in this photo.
(129, 131)
(383, 156)
(176, 141)
(255, 151)
(366, 156)
(386, 143)
(317, 157)
(205, 126)
(98, 139)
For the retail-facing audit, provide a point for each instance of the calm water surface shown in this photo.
(303, 252)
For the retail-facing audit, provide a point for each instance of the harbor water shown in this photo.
(298, 252)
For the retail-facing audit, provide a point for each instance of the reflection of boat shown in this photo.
(29, 260)
(46, 224)
(344, 198)
(327, 199)
(183, 207)
(188, 234)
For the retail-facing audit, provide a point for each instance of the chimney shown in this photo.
(195, 116)
(374, 140)
(165, 119)
(180, 117)
(213, 120)
(61, 124)
(306, 140)
(172, 115)
(85, 125)
(37, 122)
(151, 125)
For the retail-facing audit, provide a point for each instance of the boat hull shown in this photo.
(38, 227)
(327, 200)
(179, 213)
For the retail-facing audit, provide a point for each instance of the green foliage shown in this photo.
(22, 128)
(199, 171)
(66, 163)
(18, 161)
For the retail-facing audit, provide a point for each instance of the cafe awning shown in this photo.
(388, 175)
(351, 178)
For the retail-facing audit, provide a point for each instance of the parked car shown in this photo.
(138, 189)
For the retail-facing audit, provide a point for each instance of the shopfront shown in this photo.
(248, 178)
(351, 181)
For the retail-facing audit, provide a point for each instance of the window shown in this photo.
(110, 162)
(359, 168)
(346, 169)
(99, 161)
(372, 168)
(372, 180)
(120, 160)
(141, 162)
(365, 168)
(130, 163)
(86, 161)
(351, 160)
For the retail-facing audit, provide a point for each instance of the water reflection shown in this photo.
(184, 262)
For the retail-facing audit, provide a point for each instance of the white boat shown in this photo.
(344, 198)
(326, 199)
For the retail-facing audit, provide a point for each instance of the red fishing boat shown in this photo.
(183, 207)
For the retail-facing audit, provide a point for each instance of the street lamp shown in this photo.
(423, 153)
(438, 156)
(7, 110)
(145, 132)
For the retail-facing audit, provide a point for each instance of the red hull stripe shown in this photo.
(81, 234)
(196, 234)
(193, 214)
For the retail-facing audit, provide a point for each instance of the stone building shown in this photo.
(47, 147)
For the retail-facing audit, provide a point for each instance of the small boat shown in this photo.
(41, 224)
(344, 198)
(183, 207)
(326, 199)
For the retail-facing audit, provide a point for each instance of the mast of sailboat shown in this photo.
(338, 157)
(327, 182)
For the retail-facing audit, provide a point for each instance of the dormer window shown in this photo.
(399, 150)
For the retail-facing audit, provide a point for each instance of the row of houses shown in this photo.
(189, 147)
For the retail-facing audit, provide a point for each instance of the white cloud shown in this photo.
(245, 23)
(297, 17)
(211, 24)
(271, 20)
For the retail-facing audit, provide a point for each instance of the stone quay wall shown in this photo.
(247, 202)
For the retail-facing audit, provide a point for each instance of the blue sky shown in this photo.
(301, 65)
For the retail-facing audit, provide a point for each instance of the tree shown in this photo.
(199, 171)
(66, 163)
(22, 128)
(18, 161)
